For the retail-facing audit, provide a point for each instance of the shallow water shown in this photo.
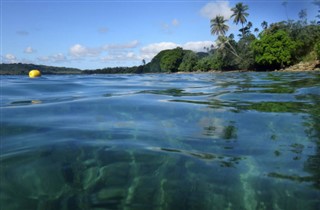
(161, 141)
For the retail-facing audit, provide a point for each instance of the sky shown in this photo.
(107, 33)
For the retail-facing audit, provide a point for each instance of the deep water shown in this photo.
(242, 141)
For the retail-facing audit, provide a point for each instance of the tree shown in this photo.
(154, 65)
(189, 61)
(264, 25)
(218, 26)
(303, 16)
(171, 60)
(223, 43)
(274, 50)
(256, 30)
(246, 30)
(211, 62)
(245, 51)
(240, 14)
(317, 49)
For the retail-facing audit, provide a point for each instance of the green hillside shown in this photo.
(23, 69)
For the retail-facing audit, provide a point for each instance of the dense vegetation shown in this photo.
(116, 70)
(267, 47)
(276, 46)
(19, 68)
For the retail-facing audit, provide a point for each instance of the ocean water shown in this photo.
(243, 141)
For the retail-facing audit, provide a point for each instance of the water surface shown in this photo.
(161, 141)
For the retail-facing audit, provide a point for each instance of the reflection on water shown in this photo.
(182, 141)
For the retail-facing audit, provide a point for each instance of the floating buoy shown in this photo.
(34, 73)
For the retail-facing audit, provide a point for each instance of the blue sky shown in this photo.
(101, 33)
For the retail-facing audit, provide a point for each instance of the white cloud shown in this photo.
(197, 46)
(78, 50)
(56, 58)
(10, 58)
(122, 53)
(212, 9)
(29, 50)
(149, 51)
(170, 27)
(128, 45)
(59, 57)
(121, 56)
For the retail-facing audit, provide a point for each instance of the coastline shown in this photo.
(299, 67)
(303, 66)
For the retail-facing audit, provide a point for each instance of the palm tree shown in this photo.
(256, 30)
(303, 16)
(264, 25)
(218, 26)
(240, 14)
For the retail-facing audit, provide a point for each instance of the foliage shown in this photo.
(154, 65)
(23, 69)
(306, 37)
(264, 25)
(218, 26)
(240, 14)
(189, 61)
(317, 49)
(212, 62)
(117, 70)
(171, 60)
(274, 50)
(245, 52)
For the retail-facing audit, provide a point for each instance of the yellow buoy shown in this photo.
(34, 73)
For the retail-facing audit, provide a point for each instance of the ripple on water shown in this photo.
(161, 141)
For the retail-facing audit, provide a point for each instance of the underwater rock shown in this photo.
(90, 177)
(115, 174)
(31, 184)
(110, 194)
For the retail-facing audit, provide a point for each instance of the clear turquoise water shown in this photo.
(161, 141)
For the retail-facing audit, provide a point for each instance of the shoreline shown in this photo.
(308, 66)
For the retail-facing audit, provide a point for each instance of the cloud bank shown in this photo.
(115, 54)
(79, 50)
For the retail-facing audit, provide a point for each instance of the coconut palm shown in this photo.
(256, 30)
(218, 26)
(246, 30)
(264, 25)
(240, 14)
(303, 16)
